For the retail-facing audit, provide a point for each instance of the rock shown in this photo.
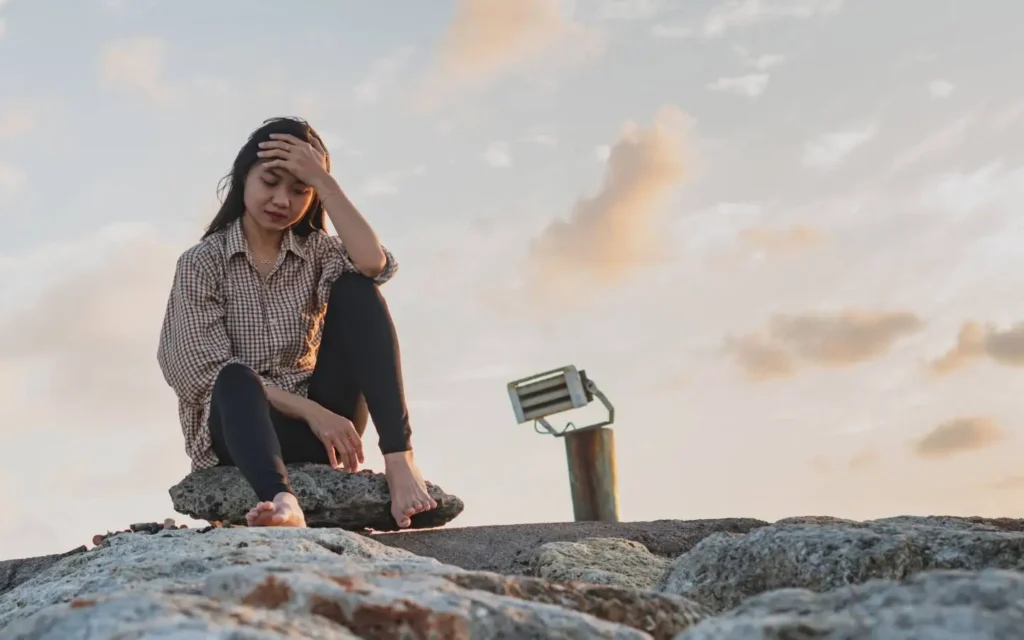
(382, 605)
(329, 498)
(197, 584)
(179, 559)
(935, 605)
(507, 549)
(161, 615)
(612, 561)
(14, 572)
(724, 569)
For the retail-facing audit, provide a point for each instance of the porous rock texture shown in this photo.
(722, 570)
(613, 561)
(509, 548)
(932, 605)
(316, 583)
(329, 498)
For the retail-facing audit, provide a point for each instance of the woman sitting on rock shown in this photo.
(276, 338)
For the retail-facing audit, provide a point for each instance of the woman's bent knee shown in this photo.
(234, 376)
(349, 284)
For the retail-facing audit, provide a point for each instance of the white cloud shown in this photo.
(743, 13)
(602, 152)
(751, 85)
(672, 31)
(11, 178)
(382, 76)
(965, 192)
(136, 65)
(630, 9)
(497, 155)
(389, 183)
(830, 149)
(16, 121)
(544, 140)
(938, 142)
(762, 62)
(940, 88)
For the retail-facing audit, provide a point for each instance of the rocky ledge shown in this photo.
(815, 577)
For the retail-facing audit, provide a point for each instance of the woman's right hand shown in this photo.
(338, 435)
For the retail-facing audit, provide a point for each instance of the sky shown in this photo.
(783, 237)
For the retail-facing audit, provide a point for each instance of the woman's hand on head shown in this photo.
(304, 160)
(339, 436)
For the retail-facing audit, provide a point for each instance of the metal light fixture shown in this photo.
(544, 394)
(589, 450)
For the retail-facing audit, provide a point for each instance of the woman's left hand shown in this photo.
(303, 160)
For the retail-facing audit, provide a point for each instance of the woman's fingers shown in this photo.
(276, 144)
(332, 457)
(272, 153)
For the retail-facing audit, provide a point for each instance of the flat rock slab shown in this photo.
(933, 605)
(315, 583)
(723, 570)
(612, 561)
(329, 497)
(507, 549)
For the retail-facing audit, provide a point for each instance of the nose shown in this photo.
(281, 198)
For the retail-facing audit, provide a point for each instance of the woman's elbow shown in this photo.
(373, 267)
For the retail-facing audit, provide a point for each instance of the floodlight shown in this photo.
(544, 394)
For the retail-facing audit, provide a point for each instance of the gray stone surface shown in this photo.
(193, 584)
(724, 569)
(507, 549)
(14, 572)
(934, 605)
(613, 561)
(329, 497)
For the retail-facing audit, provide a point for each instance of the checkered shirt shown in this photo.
(222, 311)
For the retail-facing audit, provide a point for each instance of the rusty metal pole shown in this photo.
(591, 457)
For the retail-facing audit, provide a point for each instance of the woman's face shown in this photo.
(274, 198)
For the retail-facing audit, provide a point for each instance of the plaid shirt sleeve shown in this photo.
(194, 344)
(334, 260)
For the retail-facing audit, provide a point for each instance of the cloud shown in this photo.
(488, 39)
(136, 66)
(382, 76)
(762, 62)
(751, 85)
(12, 179)
(940, 88)
(760, 358)
(88, 339)
(543, 139)
(829, 150)
(389, 183)
(964, 192)
(959, 435)
(936, 143)
(610, 234)
(974, 341)
(497, 155)
(630, 9)
(16, 121)
(672, 31)
(744, 13)
(780, 241)
(865, 459)
(828, 340)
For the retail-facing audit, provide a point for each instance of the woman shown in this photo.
(276, 339)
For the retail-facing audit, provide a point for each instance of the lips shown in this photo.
(276, 217)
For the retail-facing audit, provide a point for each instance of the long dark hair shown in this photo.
(231, 189)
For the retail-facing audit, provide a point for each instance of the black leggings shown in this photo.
(358, 372)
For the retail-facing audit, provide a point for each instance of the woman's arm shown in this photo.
(290, 404)
(355, 232)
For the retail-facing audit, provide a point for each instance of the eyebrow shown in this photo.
(277, 174)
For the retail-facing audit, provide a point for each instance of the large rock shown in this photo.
(329, 497)
(14, 572)
(936, 605)
(508, 548)
(612, 561)
(258, 581)
(724, 569)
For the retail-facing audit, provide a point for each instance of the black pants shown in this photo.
(358, 372)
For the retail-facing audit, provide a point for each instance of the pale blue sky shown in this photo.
(838, 155)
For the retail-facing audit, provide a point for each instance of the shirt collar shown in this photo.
(235, 241)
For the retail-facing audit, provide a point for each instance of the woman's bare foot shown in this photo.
(408, 491)
(284, 511)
